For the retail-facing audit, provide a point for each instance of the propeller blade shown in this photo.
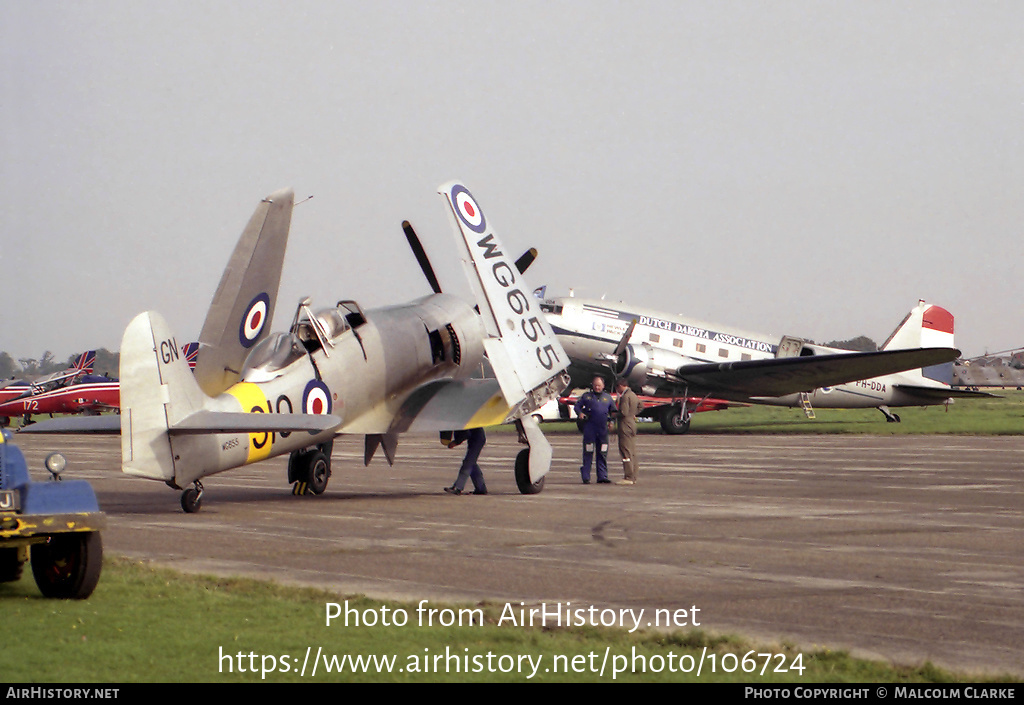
(526, 259)
(421, 256)
(621, 347)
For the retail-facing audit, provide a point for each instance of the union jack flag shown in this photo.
(191, 351)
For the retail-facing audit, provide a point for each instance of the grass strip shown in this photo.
(151, 624)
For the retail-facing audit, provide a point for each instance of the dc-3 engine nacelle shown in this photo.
(638, 364)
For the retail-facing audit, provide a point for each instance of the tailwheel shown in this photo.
(889, 416)
(523, 474)
(68, 566)
(192, 498)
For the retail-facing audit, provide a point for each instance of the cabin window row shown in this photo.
(701, 347)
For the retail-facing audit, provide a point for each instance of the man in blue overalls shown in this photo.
(595, 407)
(470, 470)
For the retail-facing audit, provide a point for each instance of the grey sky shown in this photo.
(809, 168)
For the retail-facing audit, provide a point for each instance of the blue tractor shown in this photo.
(55, 525)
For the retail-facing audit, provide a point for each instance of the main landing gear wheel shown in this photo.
(309, 470)
(318, 471)
(192, 498)
(68, 566)
(523, 474)
(673, 422)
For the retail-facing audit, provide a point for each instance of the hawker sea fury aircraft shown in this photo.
(338, 370)
(665, 355)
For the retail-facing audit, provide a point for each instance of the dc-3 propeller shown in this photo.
(618, 361)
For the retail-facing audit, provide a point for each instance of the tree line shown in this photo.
(861, 343)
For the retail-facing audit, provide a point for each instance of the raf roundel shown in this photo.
(254, 320)
(316, 399)
(469, 212)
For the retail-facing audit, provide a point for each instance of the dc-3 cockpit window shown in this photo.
(270, 356)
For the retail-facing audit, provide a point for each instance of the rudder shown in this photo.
(926, 326)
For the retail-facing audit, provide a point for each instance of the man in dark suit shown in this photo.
(476, 439)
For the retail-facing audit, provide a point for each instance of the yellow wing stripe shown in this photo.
(253, 401)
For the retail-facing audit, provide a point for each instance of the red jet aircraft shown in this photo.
(73, 391)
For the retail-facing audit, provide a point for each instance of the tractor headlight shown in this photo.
(55, 463)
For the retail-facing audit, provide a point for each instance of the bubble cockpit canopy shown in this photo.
(272, 355)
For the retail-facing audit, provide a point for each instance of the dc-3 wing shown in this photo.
(789, 375)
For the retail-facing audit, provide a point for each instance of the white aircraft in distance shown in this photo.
(338, 370)
(666, 355)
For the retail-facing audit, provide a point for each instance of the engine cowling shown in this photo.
(632, 364)
(645, 366)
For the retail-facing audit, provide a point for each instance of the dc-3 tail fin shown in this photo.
(243, 307)
(926, 326)
(527, 359)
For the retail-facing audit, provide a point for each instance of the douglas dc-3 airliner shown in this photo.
(670, 356)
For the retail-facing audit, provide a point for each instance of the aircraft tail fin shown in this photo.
(86, 361)
(157, 391)
(528, 361)
(926, 326)
(191, 353)
(243, 307)
(169, 426)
